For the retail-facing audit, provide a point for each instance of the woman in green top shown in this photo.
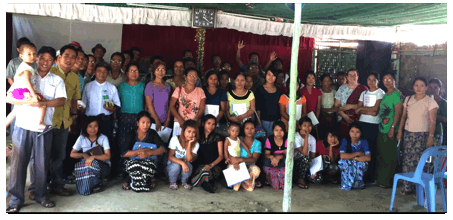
(434, 89)
(390, 111)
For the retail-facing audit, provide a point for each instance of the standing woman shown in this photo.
(390, 111)
(346, 99)
(241, 99)
(368, 107)
(301, 107)
(210, 154)
(157, 95)
(191, 101)
(178, 79)
(435, 89)
(216, 100)
(419, 122)
(267, 97)
(313, 96)
(328, 118)
(131, 96)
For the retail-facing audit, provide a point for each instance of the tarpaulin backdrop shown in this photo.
(170, 42)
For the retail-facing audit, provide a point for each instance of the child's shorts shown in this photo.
(22, 93)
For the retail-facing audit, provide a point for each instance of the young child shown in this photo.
(24, 87)
(232, 143)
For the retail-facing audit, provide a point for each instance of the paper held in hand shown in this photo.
(164, 133)
(234, 177)
(316, 165)
(211, 109)
(313, 118)
(369, 100)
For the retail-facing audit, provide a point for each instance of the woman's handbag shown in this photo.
(143, 145)
(259, 129)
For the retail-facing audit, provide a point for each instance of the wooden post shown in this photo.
(292, 109)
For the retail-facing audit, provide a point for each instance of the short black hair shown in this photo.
(185, 51)
(305, 119)
(309, 72)
(254, 53)
(90, 55)
(349, 70)
(421, 78)
(80, 50)
(186, 60)
(102, 64)
(375, 74)
(231, 65)
(128, 52)
(118, 54)
(281, 125)
(21, 41)
(436, 81)
(47, 49)
(234, 124)
(29, 44)
(209, 74)
(88, 121)
(393, 75)
(215, 55)
(70, 47)
(135, 48)
(156, 57)
(191, 69)
(276, 60)
(132, 64)
(341, 73)
(324, 76)
(144, 114)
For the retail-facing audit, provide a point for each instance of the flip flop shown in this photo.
(47, 204)
(302, 185)
(258, 184)
(126, 186)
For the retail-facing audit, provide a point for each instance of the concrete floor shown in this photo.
(318, 198)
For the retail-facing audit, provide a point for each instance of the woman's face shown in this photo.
(132, 74)
(278, 65)
(93, 128)
(178, 69)
(191, 78)
(331, 139)
(433, 89)
(213, 80)
(114, 62)
(209, 125)
(372, 82)
(278, 132)
(270, 77)
(420, 87)
(326, 82)
(389, 83)
(190, 133)
(160, 72)
(305, 128)
(189, 64)
(353, 77)
(240, 82)
(127, 59)
(143, 124)
(249, 130)
(342, 80)
(224, 80)
(280, 78)
(249, 82)
(311, 80)
(91, 64)
(355, 134)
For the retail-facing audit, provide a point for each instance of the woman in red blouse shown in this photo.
(330, 147)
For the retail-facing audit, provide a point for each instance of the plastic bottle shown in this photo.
(105, 97)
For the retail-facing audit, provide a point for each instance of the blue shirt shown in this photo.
(219, 96)
(256, 148)
(132, 98)
(362, 146)
(81, 81)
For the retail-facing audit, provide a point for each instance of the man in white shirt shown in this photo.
(29, 144)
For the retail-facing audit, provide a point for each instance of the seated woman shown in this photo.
(330, 147)
(95, 164)
(275, 155)
(209, 156)
(182, 151)
(355, 155)
(142, 163)
(304, 152)
(254, 147)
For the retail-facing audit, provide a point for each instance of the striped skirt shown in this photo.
(414, 145)
(88, 177)
(140, 172)
(205, 175)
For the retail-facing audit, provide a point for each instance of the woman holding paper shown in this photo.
(191, 101)
(216, 100)
(241, 102)
(157, 95)
(304, 153)
(368, 107)
(330, 147)
(142, 162)
(301, 107)
(267, 97)
(346, 99)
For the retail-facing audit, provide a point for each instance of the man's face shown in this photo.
(127, 59)
(216, 61)
(189, 64)
(116, 62)
(98, 53)
(79, 63)
(255, 58)
(45, 62)
(136, 55)
(67, 59)
(91, 64)
(187, 54)
(101, 74)
(253, 70)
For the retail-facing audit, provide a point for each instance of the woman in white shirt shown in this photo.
(328, 112)
(368, 107)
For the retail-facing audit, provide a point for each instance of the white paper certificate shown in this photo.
(369, 100)
(239, 108)
(211, 109)
(234, 177)
(298, 111)
(313, 118)
(163, 134)
(316, 165)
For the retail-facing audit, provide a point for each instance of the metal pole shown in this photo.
(292, 109)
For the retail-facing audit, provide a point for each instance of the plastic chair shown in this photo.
(426, 181)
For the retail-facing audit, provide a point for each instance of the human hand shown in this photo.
(236, 166)
(249, 154)
(359, 154)
(273, 56)
(207, 167)
(430, 141)
(158, 125)
(391, 133)
(399, 136)
(357, 111)
(314, 176)
(89, 161)
(185, 168)
(336, 143)
(143, 154)
(348, 119)
(110, 109)
(166, 124)
(234, 118)
(241, 45)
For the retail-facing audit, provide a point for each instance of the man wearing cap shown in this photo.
(98, 53)
(63, 117)
(30, 145)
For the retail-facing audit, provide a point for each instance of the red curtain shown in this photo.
(170, 42)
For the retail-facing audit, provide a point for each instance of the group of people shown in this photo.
(80, 119)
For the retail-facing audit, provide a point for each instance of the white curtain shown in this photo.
(57, 32)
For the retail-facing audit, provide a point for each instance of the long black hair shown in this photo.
(326, 135)
(282, 125)
(348, 138)
(204, 119)
(242, 132)
(298, 94)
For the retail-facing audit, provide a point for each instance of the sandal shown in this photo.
(47, 204)
(302, 185)
(32, 195)
(258, 184)
(173, 186)
(187, 186)
(12, 209)
(152, 184)
(126, 186)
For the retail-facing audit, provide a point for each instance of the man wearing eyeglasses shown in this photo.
(78, 66)
(115, 76)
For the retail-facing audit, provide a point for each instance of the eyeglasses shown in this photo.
(92, 62)
(193, 76)
(388, 80)
(160, 69)
(116, 61)
(253, 67)
(133, 71)
(224, 68)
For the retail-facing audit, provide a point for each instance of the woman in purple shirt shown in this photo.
(157, 96)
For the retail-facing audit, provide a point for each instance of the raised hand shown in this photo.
(241, 45)
(273, 56)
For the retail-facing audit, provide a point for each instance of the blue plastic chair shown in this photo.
(426, 181)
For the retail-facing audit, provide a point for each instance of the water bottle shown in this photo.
(105, 97)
